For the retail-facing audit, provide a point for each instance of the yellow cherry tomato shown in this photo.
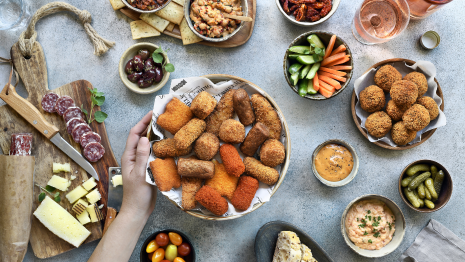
(152, 246)
(178, 259)
(175, 238)
(150, 256)
(159, 255)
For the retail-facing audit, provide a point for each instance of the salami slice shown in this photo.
(94, 151)
(89, 137)
(21, 144)
(49, 101)
(79, 130)
(73, 112)
(72, 123)
(63, 103)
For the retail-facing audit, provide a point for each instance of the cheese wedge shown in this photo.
(59, 183)
(93, 196)
(89, 184)
(80, 206)
(57, 167)
(60, 222)
(288, 248)
(75, 194)
(117, 180)
(94, 213)
(83, 217)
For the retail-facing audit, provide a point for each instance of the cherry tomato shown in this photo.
(175, 238)
(171, 252)
(184, 249)
(165, 260)
(162, 239)
(152, 246)
(178, 259)
(159, 255)
(150, 256)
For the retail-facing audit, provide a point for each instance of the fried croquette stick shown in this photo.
(223, 111)
(166, 148)
(165, 174)
(266, 114)
(232, 160)
(195, 168)
(190, 186)
(222, 182)
(245, 192)
(189, 133)
(212, 200)
(256, 136)
(242, 107)
(176, 115)
(203, 104)
(261, 172)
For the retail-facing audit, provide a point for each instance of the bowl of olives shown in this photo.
(139, 70)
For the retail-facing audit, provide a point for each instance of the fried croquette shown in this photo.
(176, 115)
(188, 167)
(395, 112)
(378, 124)
(261, 172)
(243, 108)
(165, 173)
(232, 160)
(223, 111)
(272, 153)
(404, 93)
(256, 136)
(207, 146)
(266, 114)
(430, 105)
(232, 131)
(222, 182)
(190, 186)
(386, 76)
(416, 117)
(420, 80)
(166, 148)
(203, 104)
(245, 192)
(372, 99)
(189, 133)
(212, 200)
(401, 135)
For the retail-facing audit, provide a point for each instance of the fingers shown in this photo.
(134, 136)
(142, 156)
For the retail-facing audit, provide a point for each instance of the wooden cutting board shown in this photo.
(33, 73)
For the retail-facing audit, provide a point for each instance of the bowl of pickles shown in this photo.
(425, 186)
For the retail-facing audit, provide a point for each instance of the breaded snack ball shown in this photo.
(232, 131)
(401, 135)
(203, 104)
(206, 146)
(272, 153)
(404, 93)
(394, 111)
(430, 105)
(420, 80)
(378, 124)
(372, 99)
(416, 117)
(386, 76)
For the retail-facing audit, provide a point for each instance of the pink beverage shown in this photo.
(378, 21)
(420, 9)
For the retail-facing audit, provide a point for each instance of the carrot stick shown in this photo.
(332, 58)
(343, 67)
(330, 46)
(330, 81)
(325, 92)
(335, 77)
(341, 48)
(316, 83)
(338, 62)
(326, 86)
(332, 71)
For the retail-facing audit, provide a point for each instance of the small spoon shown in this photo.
(242, 18)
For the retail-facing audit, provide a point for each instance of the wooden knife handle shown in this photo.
(111, 214)
(27, 111)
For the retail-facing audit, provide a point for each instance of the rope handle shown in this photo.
(5, 60)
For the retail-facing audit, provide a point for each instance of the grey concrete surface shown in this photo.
(302, 199)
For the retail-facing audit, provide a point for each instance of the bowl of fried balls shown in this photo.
(408, 111)
(216, 155)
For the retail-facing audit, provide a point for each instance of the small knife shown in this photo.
(37, 120)
(115, 197)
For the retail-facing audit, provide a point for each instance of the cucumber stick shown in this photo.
(310, 89)
(303, 73)
(300, 49)
(313, 70)
(295, 78)
(309, 59)
(313, 39)
(303, 87)
(295, 68)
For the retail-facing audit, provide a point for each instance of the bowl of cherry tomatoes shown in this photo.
(167, 245)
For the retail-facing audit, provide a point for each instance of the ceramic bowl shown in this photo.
(185, 239)
(128, 55)
(444, 195)
(324, 37)
(352, 174)
(291, 17)
(145, 11)
(400, 226)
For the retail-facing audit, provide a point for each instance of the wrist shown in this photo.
(133, 215)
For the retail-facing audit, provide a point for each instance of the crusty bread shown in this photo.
(288, 248)
(307, 254)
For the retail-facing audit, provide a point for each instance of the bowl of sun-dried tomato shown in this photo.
(307, 12)
(146, 6)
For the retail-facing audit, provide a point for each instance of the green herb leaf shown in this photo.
(369, 241)
(365, 233)
(375, 224)
(379, 218)
(369, 217)
(369, 211)
(83, 110)
(100, 116)
(50, 188)
(157, 58)
(98, 94)
(158, 50)
(98, 100)
(169, 67)
(57, 198)
(41, 196)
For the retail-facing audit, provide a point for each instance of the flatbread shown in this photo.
(188, 37)
(180, 2)
(154, 20)
(117, 4)
(172, 12)
(141, 29)
(170, 27)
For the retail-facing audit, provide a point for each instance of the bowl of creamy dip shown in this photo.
(373, 226)
(335, 163)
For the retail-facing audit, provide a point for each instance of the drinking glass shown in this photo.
(13, 13)
(420, 9)
(378, 21)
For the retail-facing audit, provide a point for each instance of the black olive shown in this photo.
(149, 64)
(134, 77)
(144, 54)
(138, 63)
(143, 83)
(129, 67)
(149, 75)
(159, 74)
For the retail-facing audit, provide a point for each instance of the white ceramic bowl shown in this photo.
(398, 234)
(145, 11)
(291, 18)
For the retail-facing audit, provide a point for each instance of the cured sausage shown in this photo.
(63, 103)
(72, 123)
(49, 101)
(79, 130)
(94, 151)
(73, 112)
(89, 137)
(21, 144)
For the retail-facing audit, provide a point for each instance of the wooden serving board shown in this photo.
(33, 73)
(238, 39)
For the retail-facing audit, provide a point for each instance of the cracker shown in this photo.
(172, 12)
(117, 4)
(180, 2)
(141, 29)
(188, 37)
(154, 20)
(170, 27)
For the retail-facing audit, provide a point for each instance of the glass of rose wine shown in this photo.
(378, 21)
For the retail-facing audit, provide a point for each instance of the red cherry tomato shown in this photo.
(165, 260)
(162, 239)
(184, 249)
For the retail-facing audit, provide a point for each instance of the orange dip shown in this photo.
(334, 162)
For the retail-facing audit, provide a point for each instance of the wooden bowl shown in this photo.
(444, 195)
(185, 239)
(291, 18)
(425, 136)
(128, 55)
(324, 37)
(145, 11)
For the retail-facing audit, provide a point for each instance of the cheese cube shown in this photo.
(83, 217)
(95, 213)
(72, 177)
(59, 183)
(57, 167)
(80, 206)
(117, 180)
(75, 194)
(93, 196)
(60, 222)
(89, 184)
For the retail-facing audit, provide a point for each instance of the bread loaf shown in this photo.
(288, 248)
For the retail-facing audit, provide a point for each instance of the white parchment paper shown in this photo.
(425, 67)
(186, 89)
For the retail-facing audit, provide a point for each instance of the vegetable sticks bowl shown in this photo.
(291, 18)
(321, 59)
